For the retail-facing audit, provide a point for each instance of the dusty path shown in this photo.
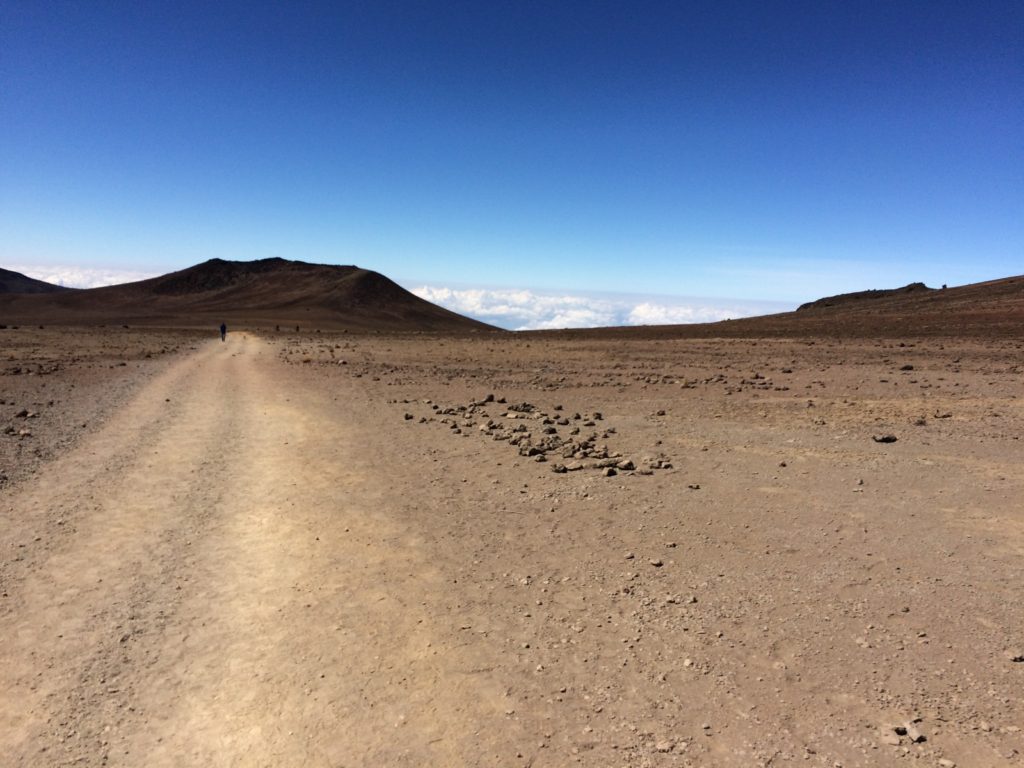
(199, 584)
(267, 558)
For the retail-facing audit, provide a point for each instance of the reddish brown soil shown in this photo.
(304, 550)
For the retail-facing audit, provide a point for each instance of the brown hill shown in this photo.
(850, 299)
(15, 282)
(988, 310)
(247, 293)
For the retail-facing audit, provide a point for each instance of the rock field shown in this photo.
(532, 550)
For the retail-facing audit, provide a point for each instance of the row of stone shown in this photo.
(540, 439)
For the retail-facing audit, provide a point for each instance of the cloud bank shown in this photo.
(82, 277)
(528, 310)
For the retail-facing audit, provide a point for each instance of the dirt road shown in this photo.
(202, 583)
(267, 558)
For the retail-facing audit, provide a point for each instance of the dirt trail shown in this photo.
(202, 583)
(317, 550)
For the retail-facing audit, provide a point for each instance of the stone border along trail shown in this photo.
(541, 438)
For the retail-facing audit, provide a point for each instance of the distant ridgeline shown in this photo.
(844, 299)
(15, 282)
(267, 292)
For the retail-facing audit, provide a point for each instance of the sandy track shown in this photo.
(184, 593)
(259, 560)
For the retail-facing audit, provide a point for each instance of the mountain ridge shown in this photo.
(12, 282)
(855, 297)
(993, 308)
(251, 293)
(282, 292)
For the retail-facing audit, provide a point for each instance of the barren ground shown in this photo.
(305, 551)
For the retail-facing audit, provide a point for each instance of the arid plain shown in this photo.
(347, 549)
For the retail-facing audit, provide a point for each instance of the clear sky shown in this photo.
(755, 150)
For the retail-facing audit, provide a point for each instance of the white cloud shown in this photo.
(82, 277)
(519, 309)
(524, 309)
(648, 313)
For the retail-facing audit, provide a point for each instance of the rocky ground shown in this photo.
(529, 550)
(58, 383)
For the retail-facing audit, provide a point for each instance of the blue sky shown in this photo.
(759, 151)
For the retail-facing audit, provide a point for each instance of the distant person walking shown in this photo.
(223, 331)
